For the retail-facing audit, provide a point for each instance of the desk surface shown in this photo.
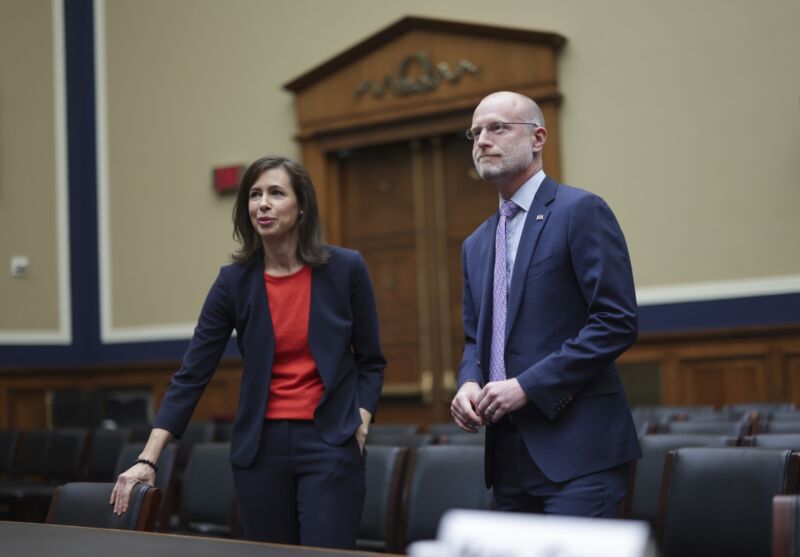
(27, 539)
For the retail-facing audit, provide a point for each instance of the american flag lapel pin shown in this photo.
(539, 217)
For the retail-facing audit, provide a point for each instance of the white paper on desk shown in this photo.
(465, 533)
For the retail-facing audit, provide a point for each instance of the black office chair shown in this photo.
(736, 428)
(779, 426)
(464, 438)
(207, 497)
(440, 429)
(641, 502)
(393, 428)
(87, 504)
(9, 439)
(32, 453)
(385, 470)
(196, 432)
(773, 441)
(718, 501)
(785, 415)
(657, 416)
(223, 431)
(165, 478)
(65, 452)
(408, 440)
(760, 409)
(440, 478)
(105, 446)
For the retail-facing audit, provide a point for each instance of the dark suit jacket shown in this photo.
(571, 313)
(342, 335)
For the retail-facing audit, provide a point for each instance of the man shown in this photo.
(549, 304)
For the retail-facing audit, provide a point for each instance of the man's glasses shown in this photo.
(495, 128)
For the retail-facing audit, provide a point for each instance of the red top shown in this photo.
(295, 387)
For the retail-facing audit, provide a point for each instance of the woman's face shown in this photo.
(273, 205)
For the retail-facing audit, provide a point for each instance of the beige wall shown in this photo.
(28, 181)
(684, 115)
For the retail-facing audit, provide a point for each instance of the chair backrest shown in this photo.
(165, 478)
(718, 501)
(464, 438)
(105, 447)
(785, 415)
(408, 440)
(196, 432)
(9, 439)
(385, 470)
(440, 478)
(207, 495)
(87, 504)
(773, 441)
(786, 526)
(444, 428)
(780, 426)
(223, 431)
(641, 502)
(67, 451)
(33, 453)
(393, 428)
(735, 427)
(762, 409)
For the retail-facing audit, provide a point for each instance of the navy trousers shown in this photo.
(520, 486)
(300, 490)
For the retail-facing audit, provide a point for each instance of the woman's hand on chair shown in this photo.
(121, 494)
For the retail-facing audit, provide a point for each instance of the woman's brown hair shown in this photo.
(310, 248)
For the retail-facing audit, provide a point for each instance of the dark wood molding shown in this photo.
(410, 23)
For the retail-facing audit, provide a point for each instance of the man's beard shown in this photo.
(512, 162)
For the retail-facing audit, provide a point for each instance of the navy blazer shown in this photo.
(571, 313)
(342, 336)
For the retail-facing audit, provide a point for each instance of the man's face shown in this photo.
(504, 154)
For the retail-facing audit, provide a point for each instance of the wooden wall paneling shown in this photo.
(5, 414)
(725, 380)
(317, 164)
(28, 409)
(790, 367)
(671, 379)
(447, 366)
(25, 395)
(423, 266)
(776, 379)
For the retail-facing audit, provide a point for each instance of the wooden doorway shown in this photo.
(381, 130)
(407, 207)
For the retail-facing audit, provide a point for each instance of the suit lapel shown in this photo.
(316, 327)
(260, 316)
(534, 224)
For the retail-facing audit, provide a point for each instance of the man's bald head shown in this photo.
(524, 107)
(505, 150)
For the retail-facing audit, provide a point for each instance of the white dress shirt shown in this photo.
(523, 199)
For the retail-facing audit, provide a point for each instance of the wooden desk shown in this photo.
(28, 539)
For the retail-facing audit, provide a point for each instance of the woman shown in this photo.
(307, 329)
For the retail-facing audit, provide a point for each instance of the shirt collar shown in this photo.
(524, 195)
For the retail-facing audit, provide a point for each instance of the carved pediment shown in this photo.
(418, 67)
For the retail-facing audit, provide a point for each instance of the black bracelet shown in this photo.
(150, 463)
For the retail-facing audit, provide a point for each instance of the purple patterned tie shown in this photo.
(497, 367)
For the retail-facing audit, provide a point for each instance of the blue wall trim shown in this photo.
(81, 140)
(779, 309)
(87, 349)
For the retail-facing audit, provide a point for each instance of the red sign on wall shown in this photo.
(227, 178)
